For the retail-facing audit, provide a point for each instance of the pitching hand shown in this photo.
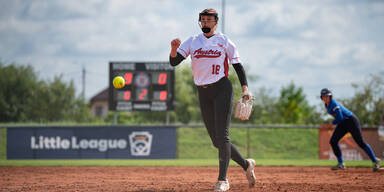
(175, 43)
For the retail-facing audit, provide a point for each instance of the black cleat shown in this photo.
(376, 165)
(250, 172)
(339, 166)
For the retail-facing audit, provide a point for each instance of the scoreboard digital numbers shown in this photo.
(149, 86)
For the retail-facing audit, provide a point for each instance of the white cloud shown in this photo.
(315, 44)
(368, 54)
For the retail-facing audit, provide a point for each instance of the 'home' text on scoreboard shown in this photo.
(149, 86)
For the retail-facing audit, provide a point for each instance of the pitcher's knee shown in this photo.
(220, 141)
(362, 144)
(215, 144)
(333, 142)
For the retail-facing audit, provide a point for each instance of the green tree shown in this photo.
(18, 88)
(368, 101)
(265, 109)
(293, 106)
(57, 101)
(54, 101)
(23, 97)
(187, 106)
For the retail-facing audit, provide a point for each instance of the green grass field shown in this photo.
(265, 143)
(3, 143)
(177, 162)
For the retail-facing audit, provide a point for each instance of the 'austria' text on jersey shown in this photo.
(209, 57)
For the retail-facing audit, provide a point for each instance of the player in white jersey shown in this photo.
(210, 55)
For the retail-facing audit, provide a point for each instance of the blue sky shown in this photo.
(315, 44)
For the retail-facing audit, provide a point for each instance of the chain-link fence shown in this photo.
(256, 141)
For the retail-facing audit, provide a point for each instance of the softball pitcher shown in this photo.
(346, 122)
(211, 54)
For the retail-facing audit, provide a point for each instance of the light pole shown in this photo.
(223, 15)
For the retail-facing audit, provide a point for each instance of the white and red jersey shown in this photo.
(209, 57)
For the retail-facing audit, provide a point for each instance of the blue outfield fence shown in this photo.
(96, 142)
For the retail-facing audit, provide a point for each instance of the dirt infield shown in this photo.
(186, 179)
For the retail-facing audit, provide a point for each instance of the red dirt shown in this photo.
(186, 179)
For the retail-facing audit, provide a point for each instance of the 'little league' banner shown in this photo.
(112, 142)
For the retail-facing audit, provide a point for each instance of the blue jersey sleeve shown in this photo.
(338, 115)
(338, 111)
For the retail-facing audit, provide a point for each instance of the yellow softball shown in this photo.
(118, 82)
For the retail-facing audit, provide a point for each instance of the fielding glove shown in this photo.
(243, 106)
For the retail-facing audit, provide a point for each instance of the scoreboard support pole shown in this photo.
(167, 118)
(115, 118)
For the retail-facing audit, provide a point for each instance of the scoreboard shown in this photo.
(149, 86)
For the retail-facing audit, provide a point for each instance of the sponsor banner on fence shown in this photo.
(349, 148)
(112, 142)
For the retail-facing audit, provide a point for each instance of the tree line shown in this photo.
(26, 98)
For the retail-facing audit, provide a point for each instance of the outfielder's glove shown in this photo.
(244, 105)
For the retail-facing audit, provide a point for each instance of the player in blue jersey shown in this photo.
(346, 122)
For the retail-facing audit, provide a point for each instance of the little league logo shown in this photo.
(140, 142)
